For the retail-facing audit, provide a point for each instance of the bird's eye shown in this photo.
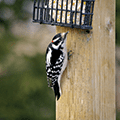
(57, 40)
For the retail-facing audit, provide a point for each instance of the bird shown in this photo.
(56, 61)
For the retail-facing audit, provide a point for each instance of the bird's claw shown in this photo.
(70, 54)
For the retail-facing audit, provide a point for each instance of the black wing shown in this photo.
(54, 64)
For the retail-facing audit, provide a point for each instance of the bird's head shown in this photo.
(59, 39)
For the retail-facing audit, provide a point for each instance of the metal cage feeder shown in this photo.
(68, 13)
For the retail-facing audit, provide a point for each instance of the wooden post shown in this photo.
(88, 83)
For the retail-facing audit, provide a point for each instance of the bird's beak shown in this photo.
(64, 34)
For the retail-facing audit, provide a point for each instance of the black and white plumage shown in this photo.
(56, 62)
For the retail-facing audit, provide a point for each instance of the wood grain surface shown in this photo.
(88, 83)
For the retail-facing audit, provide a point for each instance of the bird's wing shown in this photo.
(54, 64)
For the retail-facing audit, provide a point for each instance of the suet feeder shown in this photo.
(68, 13)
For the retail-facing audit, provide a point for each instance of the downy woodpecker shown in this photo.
(56, 62)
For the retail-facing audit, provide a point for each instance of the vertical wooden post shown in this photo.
(88, 83)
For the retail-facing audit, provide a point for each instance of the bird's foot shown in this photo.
(70, 54)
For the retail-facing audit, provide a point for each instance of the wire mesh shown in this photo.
(69, 13)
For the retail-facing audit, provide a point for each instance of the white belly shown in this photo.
(65, 62)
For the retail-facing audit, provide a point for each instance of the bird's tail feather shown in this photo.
(56, 89)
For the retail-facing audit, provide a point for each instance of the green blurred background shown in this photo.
(24, 94)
